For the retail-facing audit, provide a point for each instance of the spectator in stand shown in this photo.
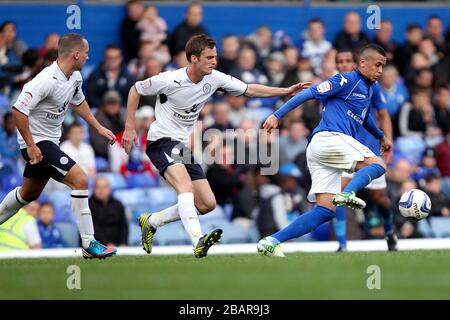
(383, 37)
(129, 33)
(136, 67)
(32, 64)
(416, 116)
(261, 43)
(179, 61)
(291, 55)
(419, 61)
(152, 68)
(228, 183)
(435, 30)
(315, 46)
(246, 67)
(8, 139)
(426, 168)
(428, 48)
(443, 156)
(276, 68)
(152, 27)
(110, 75)
(50, 234)
(221, 114)
(239, 111)
(423, 79)
(294, 143)
(403, 54)
(440, 205)
(191, 26)
(9, 30)
(443, 67)
(137, 161)
(112, 116)
(393, 89)
(108, 215)
(302, 73)
(271, 212)
(442, 108)
(10, 63)
(20, 232)
(50, 43)
(229, 53)
(351, 37)
(78, 150)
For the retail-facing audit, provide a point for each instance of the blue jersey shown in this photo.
(346, 100)
(377, 103)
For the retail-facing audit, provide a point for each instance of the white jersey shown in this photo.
(180, 100)
(45, 100)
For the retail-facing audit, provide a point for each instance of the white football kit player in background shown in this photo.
(39, 113)
(181, 96)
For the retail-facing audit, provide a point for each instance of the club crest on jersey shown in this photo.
(207, 88)
(25, 99)
(147, 83)
(64, 160)
(324, 86)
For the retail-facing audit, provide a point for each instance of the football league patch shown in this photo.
(324, 86)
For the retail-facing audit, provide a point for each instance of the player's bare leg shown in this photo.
(77, 180)
(30, 190)
(204, 198)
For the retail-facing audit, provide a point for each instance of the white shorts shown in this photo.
(328, 155)
(377, 184)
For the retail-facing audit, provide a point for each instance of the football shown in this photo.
(414, 205)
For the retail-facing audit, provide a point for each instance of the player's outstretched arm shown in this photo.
(22, 124)
(261, 91)
(129, 136)
(84, 111)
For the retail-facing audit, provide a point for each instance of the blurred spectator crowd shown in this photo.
(415, 83)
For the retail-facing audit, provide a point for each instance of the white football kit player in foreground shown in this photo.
(181, 96)
(39, 113)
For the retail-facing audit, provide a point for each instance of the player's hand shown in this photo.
(107, 134)
(270, 123)
(296, 88)
(386, 148)
(35, 154)
(129, 138)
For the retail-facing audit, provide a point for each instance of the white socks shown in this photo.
(80, 207)
(188, 215)
(11, 204)
(165, 216)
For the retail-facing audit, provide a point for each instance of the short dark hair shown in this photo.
(345, 51)
(314, 20)
(197, 44)
(46, 203)
(68, 42)
(5, 23)
(372, 47)
(412, 27)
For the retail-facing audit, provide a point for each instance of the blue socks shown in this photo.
(340, 226)
(364, 176)
(388, 218)
(305, 223)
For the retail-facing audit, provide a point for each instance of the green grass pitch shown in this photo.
(404, 275)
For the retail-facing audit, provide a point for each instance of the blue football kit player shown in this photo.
(333, 147)
(346, 62)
